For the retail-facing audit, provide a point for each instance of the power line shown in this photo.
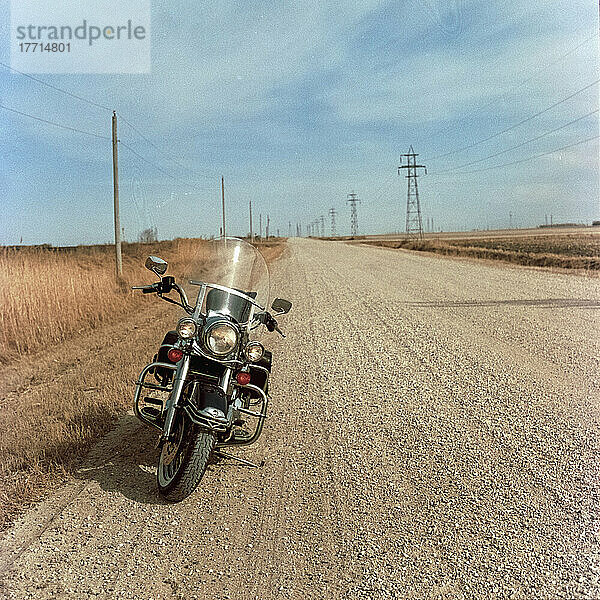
(473, 162)
(98, 105)
(155, 166)
(102, 137)
(149, 162)
(58, 89)
(160, 150)
(516, 86)
(517, 124)
(516, 162)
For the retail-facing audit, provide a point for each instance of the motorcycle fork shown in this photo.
(173, 400)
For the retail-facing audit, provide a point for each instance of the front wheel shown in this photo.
(183, 460)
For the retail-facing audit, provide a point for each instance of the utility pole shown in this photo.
(332, 214)
(260, 226)
(414, 222)
(115, 153)
(289, 229)
(510, 220)
(251, 232)
(322, 220)
(267, 231)
(223, 202)
(353, 200)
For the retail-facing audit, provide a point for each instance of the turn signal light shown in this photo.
(243, 378)
(175, 354)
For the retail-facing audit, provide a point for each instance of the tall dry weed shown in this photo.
(47, 295)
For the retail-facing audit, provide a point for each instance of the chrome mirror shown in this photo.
(281, 306)
(156, 265)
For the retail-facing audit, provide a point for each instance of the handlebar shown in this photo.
(146, 289)
(167, 284)
(164, 286)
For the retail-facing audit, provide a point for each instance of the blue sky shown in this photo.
(298, 104)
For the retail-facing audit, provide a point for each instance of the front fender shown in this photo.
(210, 396)
(207, 406)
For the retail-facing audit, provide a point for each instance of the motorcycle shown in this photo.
(211, 373)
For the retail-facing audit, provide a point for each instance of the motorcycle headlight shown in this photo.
(221, 338)
(187, 328)
(254, 351)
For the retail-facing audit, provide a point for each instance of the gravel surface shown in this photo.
(433, 434)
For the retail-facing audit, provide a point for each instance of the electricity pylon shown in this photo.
(332, 214)
(414, 223)
(353, 201)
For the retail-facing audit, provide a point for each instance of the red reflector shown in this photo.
(243, 378)
(175, 354)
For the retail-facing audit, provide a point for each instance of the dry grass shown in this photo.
(82, 340)
(47, 295)
(578, 252)
(57, 404)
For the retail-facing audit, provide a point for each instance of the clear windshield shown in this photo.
(234, 271)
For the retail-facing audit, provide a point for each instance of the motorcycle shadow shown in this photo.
(124, 461)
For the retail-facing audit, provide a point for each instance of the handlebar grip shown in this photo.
(148, 290)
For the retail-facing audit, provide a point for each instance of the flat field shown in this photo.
(563, 248)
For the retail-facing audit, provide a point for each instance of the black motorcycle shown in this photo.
(211, 373)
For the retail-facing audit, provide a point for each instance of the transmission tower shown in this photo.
(322, 222)
(353, 200)
(414, 223)
(332, 214)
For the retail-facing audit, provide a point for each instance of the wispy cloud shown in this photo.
(310, 99)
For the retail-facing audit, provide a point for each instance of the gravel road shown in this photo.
(433, 434)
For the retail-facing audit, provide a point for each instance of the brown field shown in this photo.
(567, 248)
(72, 341)
(48, 294)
